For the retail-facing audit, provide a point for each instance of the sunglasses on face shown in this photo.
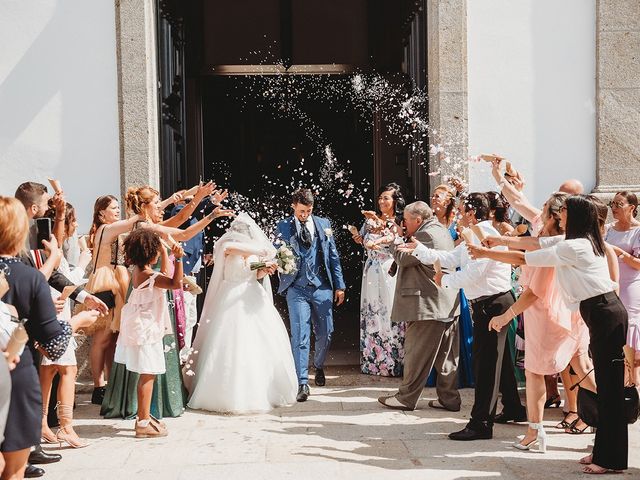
(617, 204)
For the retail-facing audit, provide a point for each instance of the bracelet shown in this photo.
(178, 260)
(513, 312)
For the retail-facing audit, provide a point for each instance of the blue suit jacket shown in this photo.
(287, 233)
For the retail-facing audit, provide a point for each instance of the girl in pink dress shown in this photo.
(145, 320)
(555, 337)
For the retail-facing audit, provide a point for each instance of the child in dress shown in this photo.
(145, 320)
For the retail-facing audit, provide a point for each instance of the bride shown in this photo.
(241, 355)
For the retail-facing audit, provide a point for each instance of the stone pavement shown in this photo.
(340, 433)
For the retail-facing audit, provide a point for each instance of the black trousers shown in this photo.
(607, 320)
(492, 366)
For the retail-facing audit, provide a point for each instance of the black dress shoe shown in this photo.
(506, 417)
(303, 393)
(321, 381)
(473, 432)
(39, 457)
(33, 472)
(98, 395)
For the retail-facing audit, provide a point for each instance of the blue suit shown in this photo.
(309, 292)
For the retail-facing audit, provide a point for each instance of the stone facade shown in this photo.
(137, 93)
(447, 78)
(618, 96)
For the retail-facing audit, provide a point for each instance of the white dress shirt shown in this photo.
(310, 225)
(479, 278)
(580, 273)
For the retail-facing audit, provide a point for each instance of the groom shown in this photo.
(313, 288)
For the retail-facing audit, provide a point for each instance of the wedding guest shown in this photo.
(381, 341)
(584, 278)
(444, 206)
(487, 285)
(624, 235)
(66, 365)
(572, 187)
(145, 319)
(555, 336)
(430, 312)
(108, 278)
(498, 207)
(30, 295)
(168, 398)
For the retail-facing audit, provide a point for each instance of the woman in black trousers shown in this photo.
(582, 272)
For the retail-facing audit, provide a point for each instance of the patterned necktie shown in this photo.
(305, 236)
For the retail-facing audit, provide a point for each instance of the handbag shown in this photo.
(588, 404)
(107, 296)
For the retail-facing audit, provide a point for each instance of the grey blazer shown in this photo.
(417, 297)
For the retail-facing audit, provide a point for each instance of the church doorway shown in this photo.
(258, 95)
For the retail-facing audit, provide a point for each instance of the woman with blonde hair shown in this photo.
(30, 296)
(144, 205)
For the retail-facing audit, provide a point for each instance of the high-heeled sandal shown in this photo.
(541, 439)
(45, 436)
(66, 433)
(574, 430)
(553, 402)
(563, 425)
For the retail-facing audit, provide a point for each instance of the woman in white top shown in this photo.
(582, 273)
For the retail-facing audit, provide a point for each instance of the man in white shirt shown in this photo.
(487, 285)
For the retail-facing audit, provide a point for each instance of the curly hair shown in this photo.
(303, 196)
(141, 247)
(398, 199)
(137, 197)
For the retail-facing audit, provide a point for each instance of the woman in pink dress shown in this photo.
(555, 337)
(624, 236)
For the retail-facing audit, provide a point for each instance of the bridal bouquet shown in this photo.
(285, 258)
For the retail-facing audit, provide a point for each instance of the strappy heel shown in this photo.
(541, 439)
(574, 430)
(66, 433)
(563, 425)
(553, 402)
(46, 437)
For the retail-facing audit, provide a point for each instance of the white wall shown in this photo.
(58, 98)
(531, 84)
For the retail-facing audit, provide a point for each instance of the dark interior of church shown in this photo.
(243, 104)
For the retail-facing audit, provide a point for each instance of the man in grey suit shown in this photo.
(431, 313)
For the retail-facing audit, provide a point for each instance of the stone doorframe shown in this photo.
(617, 88)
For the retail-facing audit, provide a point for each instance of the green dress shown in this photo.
(169, 395)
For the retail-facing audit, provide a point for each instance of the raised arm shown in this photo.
(516, 199)
(509, 256)
(245, 250)
(184, 214)
(112, 230)
(191, 231)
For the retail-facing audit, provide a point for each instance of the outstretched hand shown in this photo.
(410, 246)
(476, 251)
(223, 212)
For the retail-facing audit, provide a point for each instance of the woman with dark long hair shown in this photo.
(381, 342)
(584, 279)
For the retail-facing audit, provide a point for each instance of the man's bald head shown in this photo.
(572, 187)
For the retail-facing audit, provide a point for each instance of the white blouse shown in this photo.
(580, 273)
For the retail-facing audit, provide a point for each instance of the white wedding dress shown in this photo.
(241, 354)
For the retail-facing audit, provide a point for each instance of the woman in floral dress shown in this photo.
(381, 342)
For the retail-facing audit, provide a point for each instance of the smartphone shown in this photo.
(43, 227)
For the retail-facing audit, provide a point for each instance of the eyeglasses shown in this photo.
(617, 204)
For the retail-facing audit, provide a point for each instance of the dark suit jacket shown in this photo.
(57, 280)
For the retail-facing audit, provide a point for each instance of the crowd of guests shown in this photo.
(441, 300)
(54, 283)
(567, 275)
